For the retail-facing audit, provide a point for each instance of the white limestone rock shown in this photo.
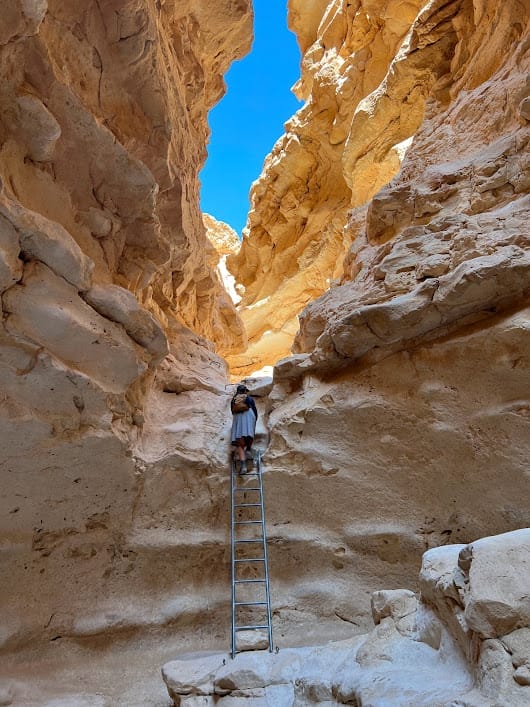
(497, 679)
(498, 602)
(399, 604)
(78, 700)
(480, 591)
(517, 643)
(378, 667)
(442, 587)
(252, 640)
(411, 657)
(437, 574)
(197, 701)
(193, 673)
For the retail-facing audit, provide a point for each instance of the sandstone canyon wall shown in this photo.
(399, 424)
(339, 149)
(404, 410)
(378, 78)
(111, 313)
(405, 405)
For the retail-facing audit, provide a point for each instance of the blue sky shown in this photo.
(246, 123)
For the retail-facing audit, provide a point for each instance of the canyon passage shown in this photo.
(376, 308)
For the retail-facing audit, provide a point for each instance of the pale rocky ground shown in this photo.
(465, 641)
(399, 425)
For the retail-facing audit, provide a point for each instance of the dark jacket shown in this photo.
(249, 401)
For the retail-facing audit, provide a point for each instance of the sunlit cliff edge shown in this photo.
(431, 90)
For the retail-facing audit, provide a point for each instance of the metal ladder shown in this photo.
(249, 553)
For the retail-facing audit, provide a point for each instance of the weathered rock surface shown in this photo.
(103, 130)
(406, 399)
(367, 70)
(400, 424)
(121, 306)
(109, 301)
(391, 89)
(411, 657)
(452, 217)
(48, 312)
(422, 447)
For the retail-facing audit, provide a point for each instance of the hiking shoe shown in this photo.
(250, 465)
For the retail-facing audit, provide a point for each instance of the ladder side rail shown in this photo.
(265, 554)
(233, 553)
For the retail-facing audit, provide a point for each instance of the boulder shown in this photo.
(121, 306)
(497, 603)
(193, 674)
(517, 643)
(47, 241)
(399, 604)
(48, 310)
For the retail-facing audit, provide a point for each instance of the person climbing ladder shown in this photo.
(244, 419)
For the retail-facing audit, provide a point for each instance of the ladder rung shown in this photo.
(247, 488)
(249, 628)
(250, 603)
(251, 559)
(248, 581)
(250, 540)
(247, 505)
(250, 473)
(247, 522)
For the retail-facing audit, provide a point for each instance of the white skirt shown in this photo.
(243, 424)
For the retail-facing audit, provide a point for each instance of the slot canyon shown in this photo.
(381, 324)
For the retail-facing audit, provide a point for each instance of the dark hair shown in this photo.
(242, 389)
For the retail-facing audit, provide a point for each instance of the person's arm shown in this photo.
(252, 406)
(232, 406)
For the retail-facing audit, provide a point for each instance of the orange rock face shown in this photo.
(103, 130)
(338, 150)
(390, 89)
(445, 238)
